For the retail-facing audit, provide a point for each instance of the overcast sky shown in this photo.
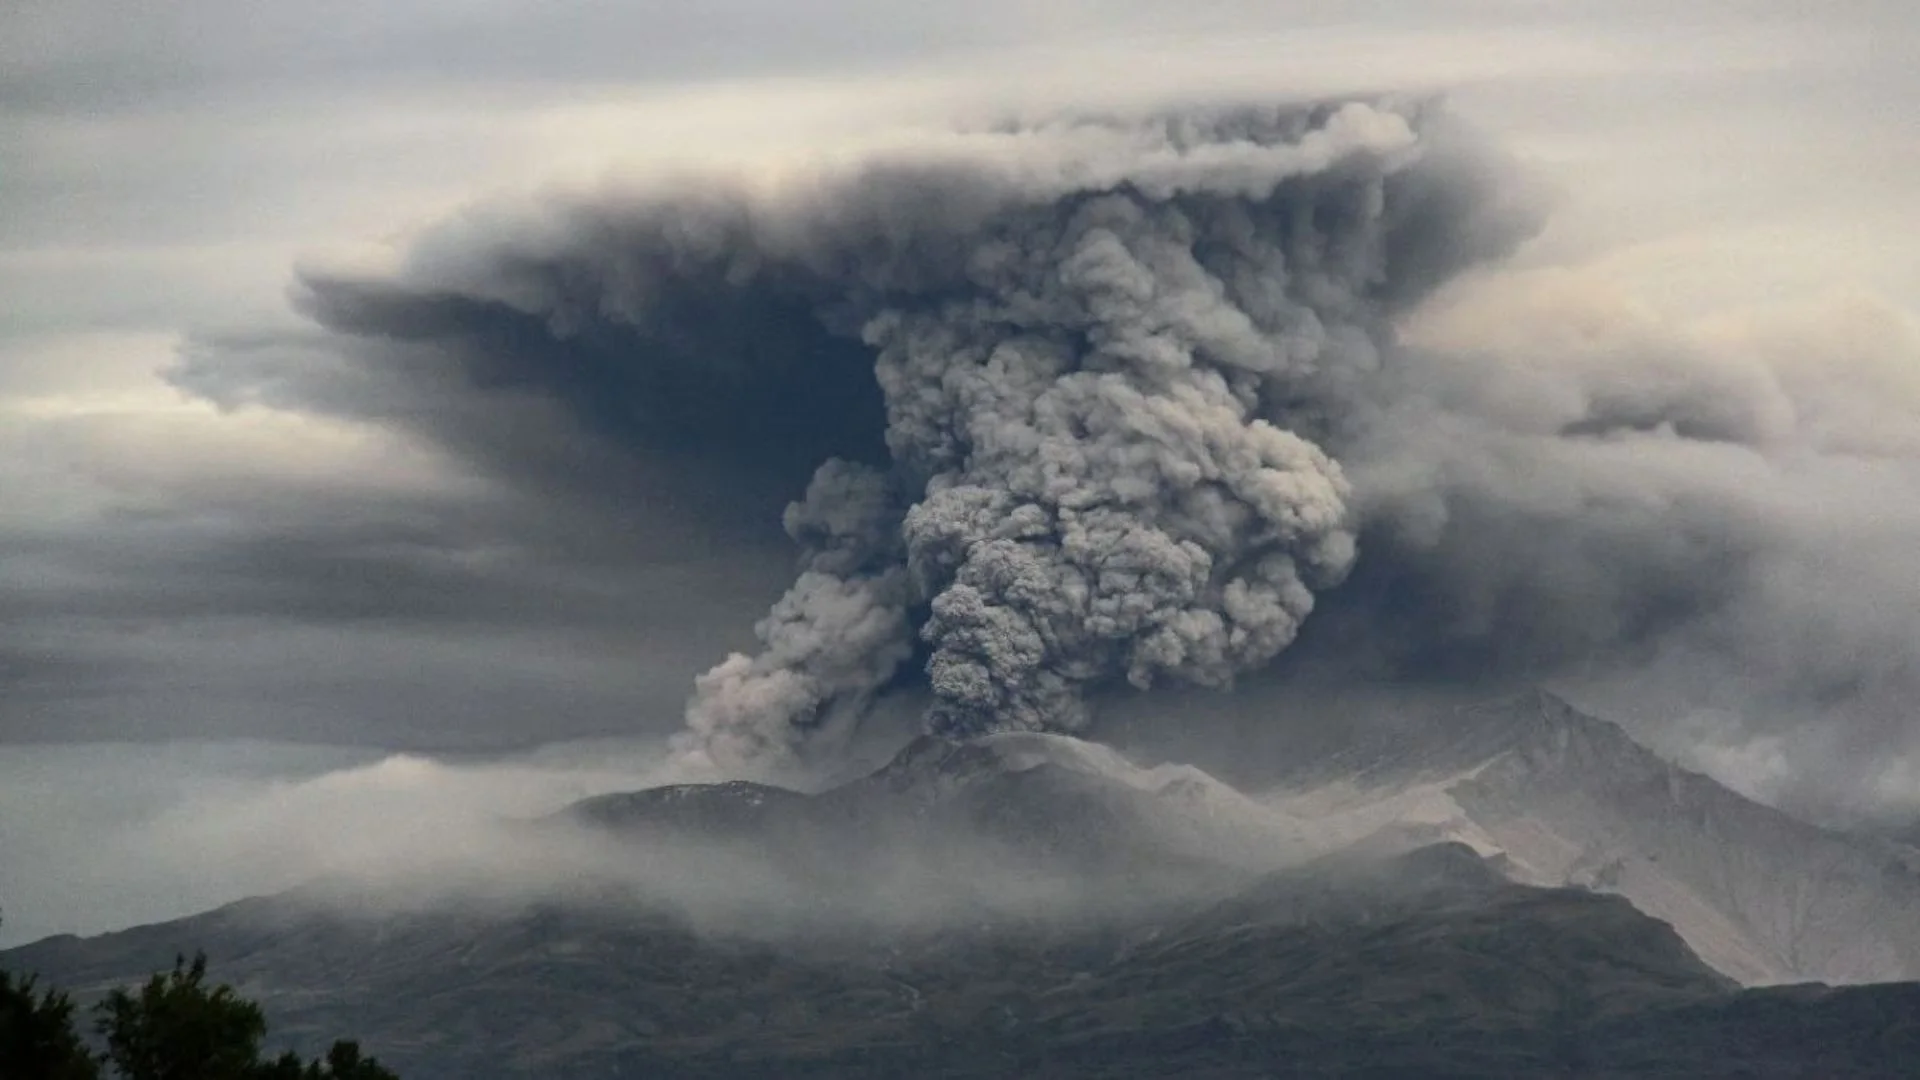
(178, 565)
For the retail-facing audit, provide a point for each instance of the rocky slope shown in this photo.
(1566, 798)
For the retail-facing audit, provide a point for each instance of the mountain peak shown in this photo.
(736, 805)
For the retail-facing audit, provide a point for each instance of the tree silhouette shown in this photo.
(178, 1028)
(175, 1027)
(37, 1037)
(343, 1062)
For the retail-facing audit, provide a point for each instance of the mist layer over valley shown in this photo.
(1015, 829)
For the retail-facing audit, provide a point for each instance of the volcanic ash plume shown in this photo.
(1087, 338)
(1067, 388)
(840, 631)
(1071, 396)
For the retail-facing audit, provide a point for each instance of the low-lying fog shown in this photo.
(102, 836)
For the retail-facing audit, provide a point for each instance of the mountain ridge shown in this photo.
(1447, 905)
(1553, 795)
(1762, 895)
(1446, 969)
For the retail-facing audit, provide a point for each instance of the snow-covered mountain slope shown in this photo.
(1564, 798)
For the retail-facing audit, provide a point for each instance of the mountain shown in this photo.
(1038, 905)
(1016, 787)
(1564, 798)
(1430, 963)
(988, 826)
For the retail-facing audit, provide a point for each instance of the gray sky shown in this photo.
(173, 568)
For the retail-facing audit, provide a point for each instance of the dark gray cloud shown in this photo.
(1551, 483)
(1681, 518)
(343, 587)
(709, 330)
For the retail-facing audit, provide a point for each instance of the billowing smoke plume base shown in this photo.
(1085, 353)
(1069, 381)
(1071, 397)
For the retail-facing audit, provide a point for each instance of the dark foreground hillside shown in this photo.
(1427, 964)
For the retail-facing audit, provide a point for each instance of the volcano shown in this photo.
(1523, 890)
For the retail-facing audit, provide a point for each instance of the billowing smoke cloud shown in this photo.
(1085, 364)
(1103, 349)
(1108, 402)
(836, 636)
(1709, 523)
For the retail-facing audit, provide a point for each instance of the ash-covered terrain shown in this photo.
(1532, 892)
